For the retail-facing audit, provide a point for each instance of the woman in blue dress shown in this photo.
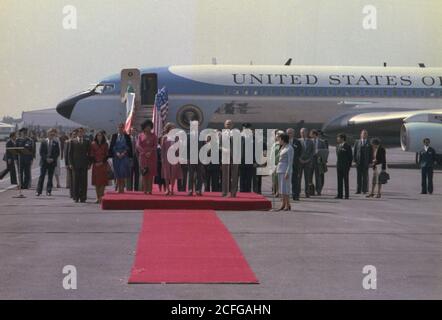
(121, 151)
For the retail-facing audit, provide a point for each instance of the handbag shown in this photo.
(383, 177)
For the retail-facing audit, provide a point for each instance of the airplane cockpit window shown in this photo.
(104, 88)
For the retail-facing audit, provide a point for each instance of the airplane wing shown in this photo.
(390, 125)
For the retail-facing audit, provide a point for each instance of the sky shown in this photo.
(41, 62)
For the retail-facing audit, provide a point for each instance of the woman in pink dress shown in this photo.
(171, 172)
(147, 149)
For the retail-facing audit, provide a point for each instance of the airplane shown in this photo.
(401, 105)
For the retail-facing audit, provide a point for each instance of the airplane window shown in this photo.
(236, 91)
(331, 91)
(102, 88)
(255, 92)
(301, 92)
(246, 92)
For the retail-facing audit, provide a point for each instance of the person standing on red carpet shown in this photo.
(147, 150)
(120, 151)
(171, 172)
(100, 167)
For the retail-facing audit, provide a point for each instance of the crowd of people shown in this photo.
(125, 159)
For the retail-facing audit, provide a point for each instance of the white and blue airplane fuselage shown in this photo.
(334, 99)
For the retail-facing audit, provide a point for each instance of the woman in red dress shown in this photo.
(98, 153)
(147, 149)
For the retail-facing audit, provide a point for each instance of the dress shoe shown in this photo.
(37, 194)
(338, 197)
(358, 192)
(48, 194)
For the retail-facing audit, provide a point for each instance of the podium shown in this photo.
(18, 152)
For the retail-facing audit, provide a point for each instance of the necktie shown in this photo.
(49, 147)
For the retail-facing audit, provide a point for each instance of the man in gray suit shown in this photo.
(305, 160)
(319, 160)
(363, 157)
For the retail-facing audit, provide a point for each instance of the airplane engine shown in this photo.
(413, 133)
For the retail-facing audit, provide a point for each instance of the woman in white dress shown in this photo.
(284, 171)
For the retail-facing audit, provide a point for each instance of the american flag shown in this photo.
(160, 110)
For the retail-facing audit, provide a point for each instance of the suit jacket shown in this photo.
(79, 154)
(297, 150)
(44, 155)
(427, 158)
(285, 163)
(8, 156)
(308, 150)
(380, 158)
(128, 143)
(29, 145)
(344, 156)
(67, 145)
(363, 153)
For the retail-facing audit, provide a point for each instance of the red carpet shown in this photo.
(209, 200)
(187, 246)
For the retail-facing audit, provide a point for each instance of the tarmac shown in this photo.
(316, 251)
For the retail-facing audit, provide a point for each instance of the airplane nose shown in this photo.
(66, 107)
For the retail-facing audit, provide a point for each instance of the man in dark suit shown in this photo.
(25, 159)
(343, 164)
(10, 159)
(297, 148)
(134, 181)
(427, 158)
(49, 153)
(305, 161)
(363, 157)
(79, 162)
(319, 160)
(69, 171)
